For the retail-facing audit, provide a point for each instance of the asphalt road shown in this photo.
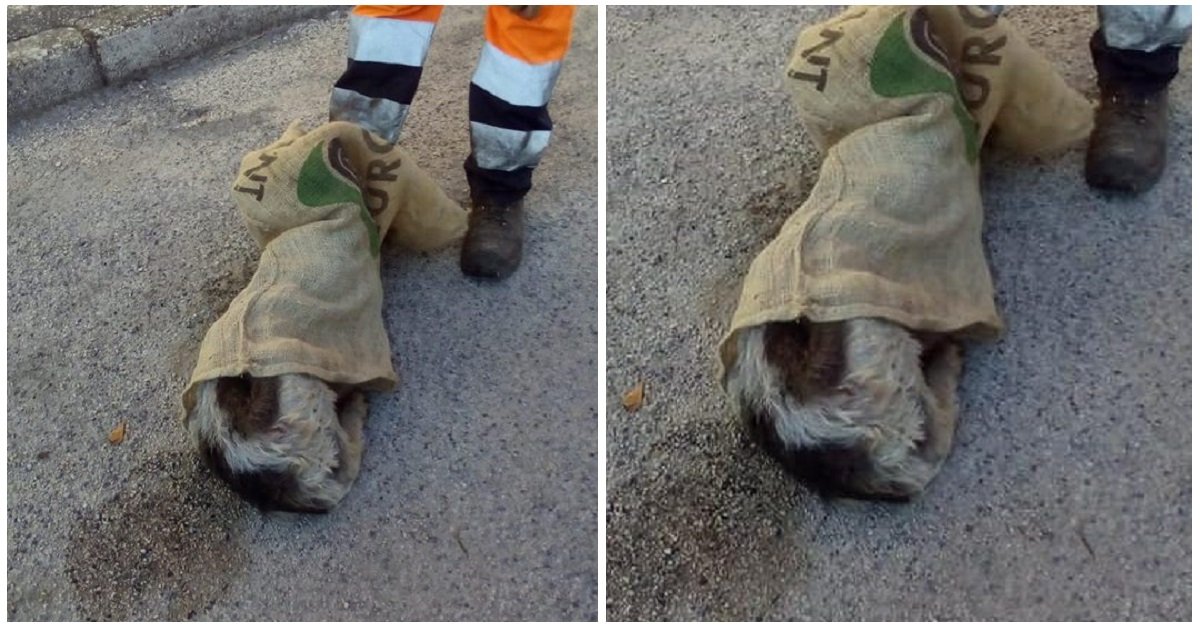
(477, 498)
(1069, 493)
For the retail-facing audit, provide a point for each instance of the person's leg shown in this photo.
(388, 45)
(1136, 54)
(510, 129)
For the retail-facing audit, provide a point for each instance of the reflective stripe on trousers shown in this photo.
(1144, 27)
(388, 46)
(510, 91)
(510, 122)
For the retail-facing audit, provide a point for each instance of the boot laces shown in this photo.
(1132, 105)
(495, 213)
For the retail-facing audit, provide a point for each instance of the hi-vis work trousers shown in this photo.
(509, 93)
(1144, 27)
(1137, 47)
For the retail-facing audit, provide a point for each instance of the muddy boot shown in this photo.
(1128, 146)
(495, 233)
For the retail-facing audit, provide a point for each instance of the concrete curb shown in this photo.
(59, 56)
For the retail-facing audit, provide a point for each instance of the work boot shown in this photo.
(1128, 147)
(495, 233)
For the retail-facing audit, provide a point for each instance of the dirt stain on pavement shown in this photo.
(220, 291)
(680, 546)
(767, 210)
(719, 298)
(216, 295)
(165, 548)
(781, 199)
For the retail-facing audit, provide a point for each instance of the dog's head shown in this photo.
(283, 443)
(859, 409)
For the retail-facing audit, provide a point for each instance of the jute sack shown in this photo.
(320, 204)
(901, 99)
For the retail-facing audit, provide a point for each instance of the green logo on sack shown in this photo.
(897, 70)
(317, 185)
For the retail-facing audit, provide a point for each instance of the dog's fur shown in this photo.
(292, 442)
(861, 408)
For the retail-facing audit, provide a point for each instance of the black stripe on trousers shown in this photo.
(489, 109)
(381, 80)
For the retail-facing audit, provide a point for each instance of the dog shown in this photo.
(857, 408)
(292, 442)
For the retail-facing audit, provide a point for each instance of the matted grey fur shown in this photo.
(861, 407)
(290, 442)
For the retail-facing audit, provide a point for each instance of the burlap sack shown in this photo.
(901, 98)
(320, 204)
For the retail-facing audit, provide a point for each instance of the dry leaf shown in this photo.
(633, 399)
(117, 435)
